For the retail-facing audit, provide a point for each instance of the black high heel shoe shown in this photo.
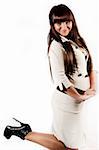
(21, 131)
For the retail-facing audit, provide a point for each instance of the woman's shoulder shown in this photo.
(54, 46)
(55, 43)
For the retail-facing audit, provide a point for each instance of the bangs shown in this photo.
(57, 19)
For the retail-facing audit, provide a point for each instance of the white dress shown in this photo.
(67, 114)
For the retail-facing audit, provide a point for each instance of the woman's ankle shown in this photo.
(27, 137)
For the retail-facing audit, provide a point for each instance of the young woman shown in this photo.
(72, 73)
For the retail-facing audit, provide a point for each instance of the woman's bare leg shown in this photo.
(47, 140)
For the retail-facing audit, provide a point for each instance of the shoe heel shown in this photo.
(18, 121)
(7, 133)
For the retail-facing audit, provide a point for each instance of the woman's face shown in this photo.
(63, 28)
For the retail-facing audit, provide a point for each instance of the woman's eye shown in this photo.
(58, 23)
(67, 22)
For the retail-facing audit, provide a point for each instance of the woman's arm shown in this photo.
(56, 60)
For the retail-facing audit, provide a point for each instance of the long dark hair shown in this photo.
(61, 13)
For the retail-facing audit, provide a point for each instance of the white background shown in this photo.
(25, 83)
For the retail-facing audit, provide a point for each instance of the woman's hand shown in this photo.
(88, 94)
(71, 91)
(90, 91)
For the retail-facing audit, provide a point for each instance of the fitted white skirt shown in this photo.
(68, 120)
